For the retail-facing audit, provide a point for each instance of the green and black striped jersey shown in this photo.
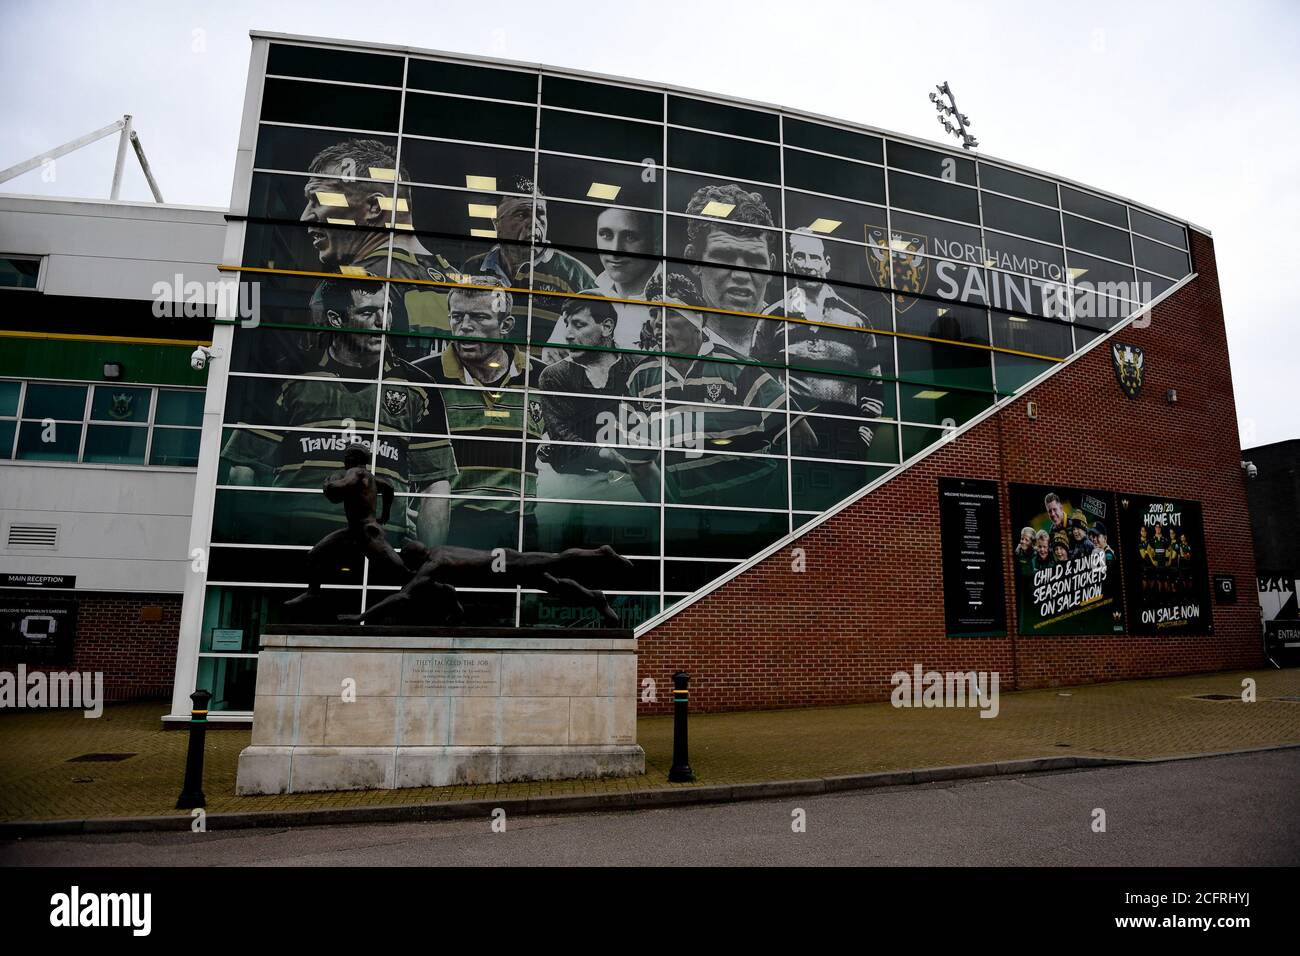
(497, 411)
(552, 271)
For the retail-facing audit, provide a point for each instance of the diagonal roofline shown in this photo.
(653, 622)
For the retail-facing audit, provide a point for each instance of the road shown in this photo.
(1217, 811)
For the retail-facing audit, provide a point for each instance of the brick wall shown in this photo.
(870, 602)
(137, 657)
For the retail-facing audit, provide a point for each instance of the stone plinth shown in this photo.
(350, 708)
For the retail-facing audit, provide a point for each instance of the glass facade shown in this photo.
(569, 312)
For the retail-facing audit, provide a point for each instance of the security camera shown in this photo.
(199, 357)
(1249, 468)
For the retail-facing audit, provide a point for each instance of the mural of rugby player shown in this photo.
(342, 170)
(849, 350)
(716, 417)
(730, 249)
(341, 412)
(576, 466)
(492, 372)
(519, 254)
(630, 242)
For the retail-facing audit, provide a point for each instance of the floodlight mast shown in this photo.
(949, 108)
(122, 126)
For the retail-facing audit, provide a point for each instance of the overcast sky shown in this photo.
(1187, 107)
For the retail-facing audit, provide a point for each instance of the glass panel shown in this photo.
(55, 401)
(599, 136)
(736, 202)
(1102, 240)
(1157, 228)
(279, 566)
(917, 440)
(469, 167)
(723, 119)
(231, 681)
(175, 447)
(472, 81)
(322, 64)
(1152, 255)
(53, 442)
(602, 98)
(1017, 184)
(935, 237)
(1014, 371)
(329, 104)
(1094, 207)
(728, 157)
(9, 397)
(1157, 284)
(544, 610)
(593, 473)
(819, 485)
(742, 257)
(1035, 259)
(18, 273)
(931, 163)
(251, 609)
(294, 149)
(831, 217)
(177, 407)
(1088, 272)
(939, 199)
(627, 241)
(821, 174)
(486, 524)
(116, 444)
(452, 118)
(690, 532)
(7, 431)
(692, 478)
(693, 575)
(847, 439)
(938, 320)
(940, 406)
(315, 247)
(626, 529)
(116, 404)
(828, 139)
(941, 365)
(300, 517)
(568, 178)
(1022, 218)
(1026, 334)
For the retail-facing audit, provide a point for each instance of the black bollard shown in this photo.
(681, 771)
(192, 792)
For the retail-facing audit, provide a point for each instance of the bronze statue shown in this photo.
(357, 490)
(430, 596)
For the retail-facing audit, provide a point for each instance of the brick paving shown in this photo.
(1138, 719)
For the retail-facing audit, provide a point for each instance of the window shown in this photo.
(1094, 207)
(1156, 228)
(828, 139)
(940, 165)
(837, 177)
(602, 98)
(105, 423)
(1022, 218)
(20, 272)
(723, 119)
(720, 154)
(472, 81)
(322, 64)
(451, 117)
(330, 104)
(1017, 184)
(936, 198)
(599, 136)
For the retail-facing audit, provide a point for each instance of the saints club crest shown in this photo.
(120, 406)
(714, 391)
(395, 401)
(1128, 362)
(906, 271)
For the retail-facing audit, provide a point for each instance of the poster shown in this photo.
(1067, 565)
(37, 630)
(974, 602)
(1163, 543)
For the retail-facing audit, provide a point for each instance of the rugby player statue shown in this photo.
(433, 574)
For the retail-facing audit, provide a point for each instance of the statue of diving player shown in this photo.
(438, 571)
(357, 490)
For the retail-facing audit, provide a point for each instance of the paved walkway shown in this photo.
(39, 779)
